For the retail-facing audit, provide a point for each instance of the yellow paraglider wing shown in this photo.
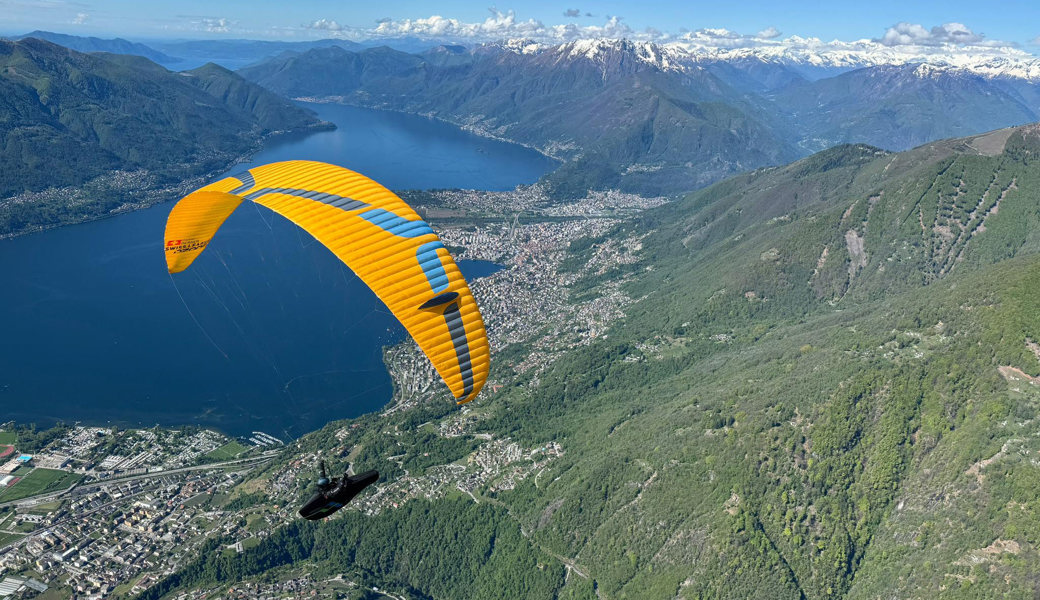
(374, 233)
(192, 224)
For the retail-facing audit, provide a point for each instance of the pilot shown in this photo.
(333, 494)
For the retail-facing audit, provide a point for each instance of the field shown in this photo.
(228, 451)
(38, 481)
(43, 509)
(7, 538)
(8, 437)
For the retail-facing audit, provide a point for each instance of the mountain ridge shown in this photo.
(654, 122)
(813, 54)
(93, 44)
(687, 131)
(72, 118)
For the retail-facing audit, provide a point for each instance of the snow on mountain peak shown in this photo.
(682, 55)
(664, 57)
(988, 61)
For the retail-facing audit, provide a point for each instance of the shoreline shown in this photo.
(153, 196)
(169, 193)
(341, 100)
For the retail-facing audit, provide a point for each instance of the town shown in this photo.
(94, 507)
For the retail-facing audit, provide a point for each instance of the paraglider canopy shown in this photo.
(375, 233)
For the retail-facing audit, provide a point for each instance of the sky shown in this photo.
(1012, 23)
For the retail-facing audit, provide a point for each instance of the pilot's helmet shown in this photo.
(323, 481)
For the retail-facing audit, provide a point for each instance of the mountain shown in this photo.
(620, 113)
(235, 54)
(753, 75)
(68, 119)
(816, 59)
(93, 44)
(824, 383)
(899, 107)
(189, 54)
(273, 113)
(658, 119)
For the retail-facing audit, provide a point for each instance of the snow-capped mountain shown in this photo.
(662, 57)
(649, 117)
(981, 60)
(829, 57)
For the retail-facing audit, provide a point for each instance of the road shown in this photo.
(33, 500)
(86, 487)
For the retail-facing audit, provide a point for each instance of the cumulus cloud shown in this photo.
(506, 25)
(80, 19)
(213, 24)
(717, 37)
(768, 33)
(913, 34)
(497, 26)
(613, 29)
(325, 25)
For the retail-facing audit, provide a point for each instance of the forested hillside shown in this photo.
(827, 388)
(115, 126)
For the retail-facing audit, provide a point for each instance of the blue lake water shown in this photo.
(267, 331)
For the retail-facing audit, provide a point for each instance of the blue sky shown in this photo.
(1016, 22)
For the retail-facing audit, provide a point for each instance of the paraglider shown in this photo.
(381, 239)
(375, 233)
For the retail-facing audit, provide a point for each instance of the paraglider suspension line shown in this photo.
(192, 315)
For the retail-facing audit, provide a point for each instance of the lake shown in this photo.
(267, 331)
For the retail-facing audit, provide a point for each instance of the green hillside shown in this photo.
(86, 134)
(826, 388)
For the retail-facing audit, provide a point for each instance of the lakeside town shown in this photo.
(88, 510)
(103, 513)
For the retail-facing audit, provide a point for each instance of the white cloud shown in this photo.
(325, 25)
(214, 25)
(499, 25)
(768, 33)
(80, 19)
(505, 25)
(912, 34)
(902, 34)
(612, 29)
(720, 38)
